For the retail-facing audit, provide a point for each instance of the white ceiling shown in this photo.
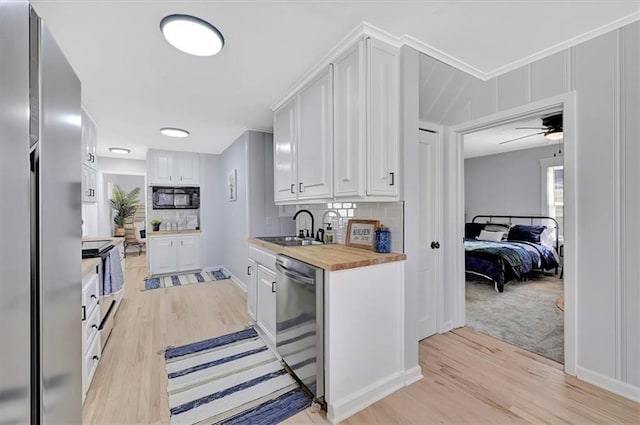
(134, 82)
(487, 141)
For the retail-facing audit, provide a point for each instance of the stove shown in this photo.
(95, 249)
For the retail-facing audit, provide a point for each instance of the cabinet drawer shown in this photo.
(262, 257)
(90, 328)
(90, 294)
(91, 359)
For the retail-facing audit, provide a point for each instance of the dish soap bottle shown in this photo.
(328, 236)
(383, 240)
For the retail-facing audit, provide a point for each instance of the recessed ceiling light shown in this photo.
(174, 132)
(192, 35)
(123, 151)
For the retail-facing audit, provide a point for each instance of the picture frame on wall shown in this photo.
(362, 234)
(232, 189)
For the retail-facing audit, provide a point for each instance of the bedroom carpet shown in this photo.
(525, 314)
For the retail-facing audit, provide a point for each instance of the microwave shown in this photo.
(166, 198)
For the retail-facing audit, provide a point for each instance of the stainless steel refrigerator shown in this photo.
(40, 282)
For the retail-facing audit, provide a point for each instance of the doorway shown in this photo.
(455, 230)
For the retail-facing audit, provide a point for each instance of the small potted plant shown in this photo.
(124, 205)
(156, 225)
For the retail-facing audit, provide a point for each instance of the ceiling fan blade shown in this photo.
(531, 128)
(520, 138)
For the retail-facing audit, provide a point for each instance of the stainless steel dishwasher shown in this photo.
(300, 322)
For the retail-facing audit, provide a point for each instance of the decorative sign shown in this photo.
(362, 233)
(232, 185)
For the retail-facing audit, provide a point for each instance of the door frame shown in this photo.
(454, 226)
(439, 130)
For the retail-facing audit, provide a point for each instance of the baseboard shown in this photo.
(446, 327)
(233, 277)
(610, 384)
(349, 406)
(412, 375)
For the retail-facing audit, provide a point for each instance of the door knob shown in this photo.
(435, 245)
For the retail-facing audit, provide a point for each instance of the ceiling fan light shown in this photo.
(554, 135)
(192, 35)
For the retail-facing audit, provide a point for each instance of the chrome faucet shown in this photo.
(310, 215)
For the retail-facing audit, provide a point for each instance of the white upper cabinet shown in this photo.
(349, 123)
(166, 168)
(315, 139)
(343, 142)
(284, 153)
(89, 140)
(382, 122)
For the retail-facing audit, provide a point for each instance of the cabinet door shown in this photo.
(349, 123)
(315, 139)
(189, 253)
(252, 288)
(160, 165)
(88, 184)
(89, 140)
(284, 153)
(187, 170)
(382, 119)
(267, 302)
(163, 255)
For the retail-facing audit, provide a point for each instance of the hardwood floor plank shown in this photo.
(470, 378)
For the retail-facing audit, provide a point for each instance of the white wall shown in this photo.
(508, 183)
(604, 74)
(110, 165)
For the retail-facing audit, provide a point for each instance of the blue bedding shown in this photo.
(507, 260)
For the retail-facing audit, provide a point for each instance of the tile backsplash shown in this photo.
(391, 214)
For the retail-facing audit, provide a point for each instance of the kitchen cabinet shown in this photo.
(174, 253)
(252, 288)
(167, 168)
(91, 316)
(89, 140)
(349, 113)
(89, 184)
(266, 308)
(382, 112)
(303, 143)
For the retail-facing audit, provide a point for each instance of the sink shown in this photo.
(289, 240)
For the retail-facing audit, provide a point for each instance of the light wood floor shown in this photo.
(470, 378)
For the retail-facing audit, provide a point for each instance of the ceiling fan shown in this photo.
(551, 128)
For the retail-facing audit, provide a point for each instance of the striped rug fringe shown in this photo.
(232, 379)
(183, 279)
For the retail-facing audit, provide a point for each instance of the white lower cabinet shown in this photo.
(90, 323)
(266, 302)
(174, 253)
(252, 288)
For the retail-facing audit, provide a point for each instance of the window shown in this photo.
(553, 191)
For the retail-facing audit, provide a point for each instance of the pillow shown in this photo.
(498, 227)
(472, 230)
(548, 237)
(490, 236)
(531, 234)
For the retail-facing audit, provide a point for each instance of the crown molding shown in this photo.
(366, 29)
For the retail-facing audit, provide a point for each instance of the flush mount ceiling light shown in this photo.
(192, 35)
(123, 151)
(174, 132)
(553, 135)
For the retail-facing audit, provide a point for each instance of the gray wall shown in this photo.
(211, 221)
(506, 183)
(604, 74)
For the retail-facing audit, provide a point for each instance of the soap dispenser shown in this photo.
(328, 236)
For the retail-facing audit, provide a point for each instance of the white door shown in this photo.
(430, 231)
(284, 152)
(315, 139)
(349, 123)
(189, 253)
(160, 168)
(187, 169)
(382, 119)
(267, 302)
(252, 289)
(163, 255)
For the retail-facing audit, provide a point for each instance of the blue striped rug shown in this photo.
(232, 379)
(183, 279)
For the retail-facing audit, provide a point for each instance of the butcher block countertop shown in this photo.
(331, 257)
(172, 232)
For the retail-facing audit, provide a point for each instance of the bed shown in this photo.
(504, 250)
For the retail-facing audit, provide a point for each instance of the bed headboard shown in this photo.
(531, 218)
